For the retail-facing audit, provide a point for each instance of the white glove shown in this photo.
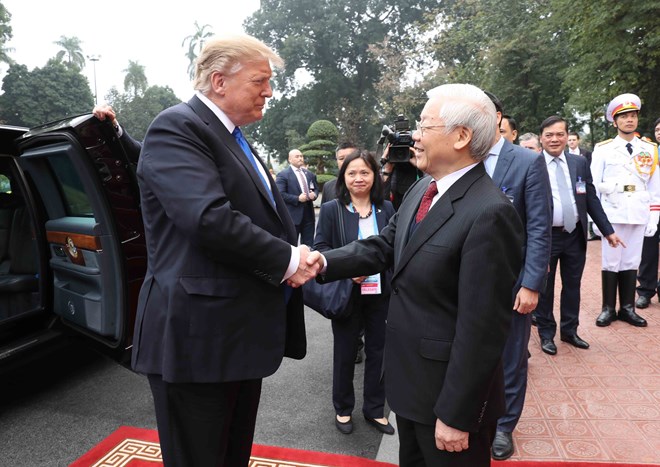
(652, 226)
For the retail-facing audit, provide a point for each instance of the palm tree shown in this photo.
(72, 50)
(195, 45)
(5, 35)
(135, 82)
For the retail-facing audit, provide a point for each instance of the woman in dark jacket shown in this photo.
(364, 213)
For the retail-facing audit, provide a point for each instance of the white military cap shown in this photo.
(621, 104)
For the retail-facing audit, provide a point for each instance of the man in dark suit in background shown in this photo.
(522, 176)
(299, 189)
(442, 365)
(343, 150)
(573, 196)
(213, 317)
(509, 128)
(573, 146)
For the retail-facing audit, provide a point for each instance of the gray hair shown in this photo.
(227, 55)
(469, 107)
(530, 137)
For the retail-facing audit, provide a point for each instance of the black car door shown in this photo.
(86, 225)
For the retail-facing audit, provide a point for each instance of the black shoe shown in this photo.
(575, 341)
(385, 429)
(358, 356)
(502, 447)
(534, 322)
(628, 315)
(549, 347)
(606, 317)
(593, 237)
(344, 427)
(643, 302)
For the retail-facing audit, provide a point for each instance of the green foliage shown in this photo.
(320, 151)
(45, 94)
(322, 143)
(322, 179)
(5, 35)
(135, 113)
(547, 57)
(135, 81)
(72, 50)
(322, 130)
(332, 41)
(614, 48)
(195, 44)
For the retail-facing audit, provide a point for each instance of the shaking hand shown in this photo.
(308, 268)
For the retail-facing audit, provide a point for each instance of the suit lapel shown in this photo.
(218, 129)
(503, 163)
(439, 214)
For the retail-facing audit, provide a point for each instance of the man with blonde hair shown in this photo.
(214, 317)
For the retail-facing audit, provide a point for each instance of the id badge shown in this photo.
(580, 187)
(371, 285)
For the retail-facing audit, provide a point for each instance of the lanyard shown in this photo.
(373, 211)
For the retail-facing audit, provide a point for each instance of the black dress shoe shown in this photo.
(534, 322)
(344, 427)
(628, 315)
(606, 317)
(502, 447)
(358, 356)
(643, 302)
(575, 341)
(549, 347)
(385, 429)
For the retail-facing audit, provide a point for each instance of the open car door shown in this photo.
(81, 230)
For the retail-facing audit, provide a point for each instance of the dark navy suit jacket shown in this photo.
(211, 308)
(287, 183)
(523, 177)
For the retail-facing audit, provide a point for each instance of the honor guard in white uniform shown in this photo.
(625, 176)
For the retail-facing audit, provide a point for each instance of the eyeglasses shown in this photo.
(419, 127)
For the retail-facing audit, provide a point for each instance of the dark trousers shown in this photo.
(370, 311)
(205, 424)
(570, 251)
(306, 227)
(417, 447)
(648, 268)
(514, 359)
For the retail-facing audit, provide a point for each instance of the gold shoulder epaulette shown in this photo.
(605, 142)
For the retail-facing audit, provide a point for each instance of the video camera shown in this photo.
(400, 140)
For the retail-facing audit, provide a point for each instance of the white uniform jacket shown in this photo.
(628, 185)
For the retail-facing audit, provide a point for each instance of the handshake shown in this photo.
(310, 265)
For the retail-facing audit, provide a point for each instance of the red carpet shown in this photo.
(138, 447)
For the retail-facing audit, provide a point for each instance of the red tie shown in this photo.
(427, 199)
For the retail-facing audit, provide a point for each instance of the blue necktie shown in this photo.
(564, 198)
(240, 139)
